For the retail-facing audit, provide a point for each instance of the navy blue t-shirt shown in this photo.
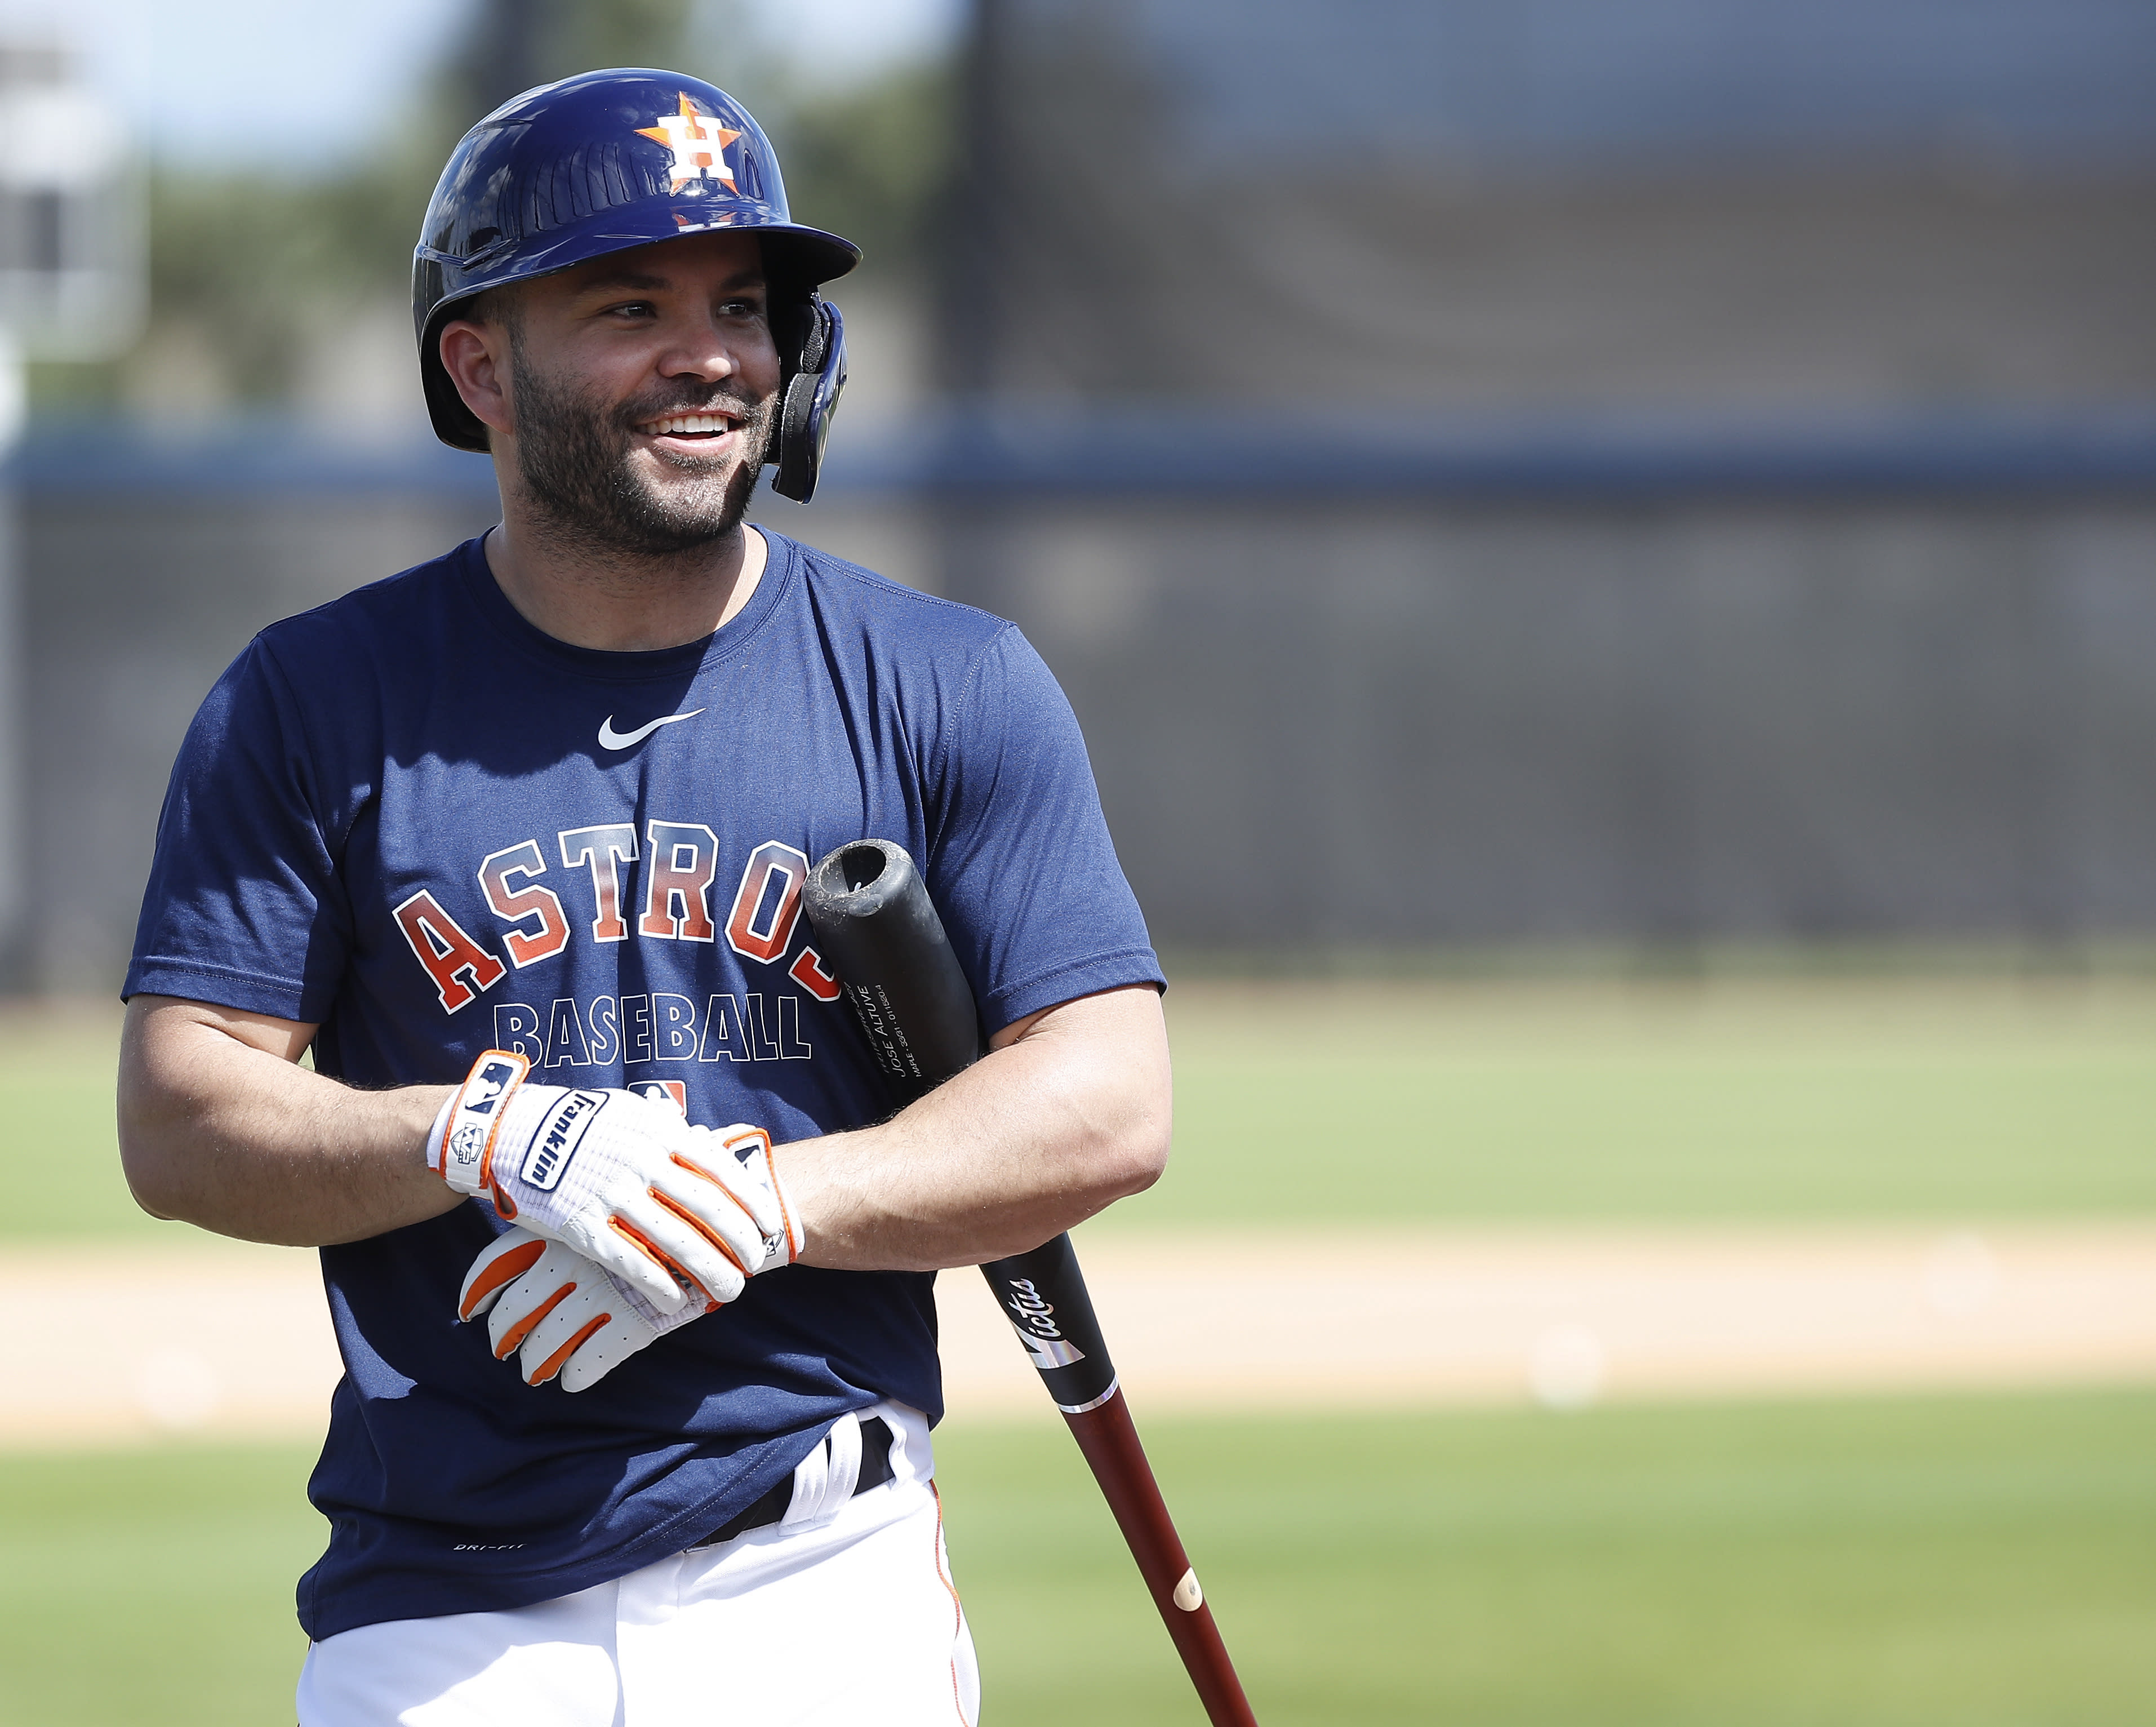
(416, 820)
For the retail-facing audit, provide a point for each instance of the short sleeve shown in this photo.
(1020, 860)
(244, 907)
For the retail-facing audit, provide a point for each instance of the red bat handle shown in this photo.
(1044, 1295)
(1110, 1441)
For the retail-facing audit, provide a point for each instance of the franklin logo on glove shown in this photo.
(552, 1150)
(681, 1216)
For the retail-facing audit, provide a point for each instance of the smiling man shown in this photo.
(631, 1278)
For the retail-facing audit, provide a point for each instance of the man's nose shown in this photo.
(697, 348)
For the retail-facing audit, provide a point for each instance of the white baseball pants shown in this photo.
(842, 1615)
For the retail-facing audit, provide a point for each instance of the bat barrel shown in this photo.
(881, 937)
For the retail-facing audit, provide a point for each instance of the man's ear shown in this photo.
(476, 358)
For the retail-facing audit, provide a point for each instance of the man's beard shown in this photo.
(574, 453)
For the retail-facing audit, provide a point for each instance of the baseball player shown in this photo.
(631, 1281)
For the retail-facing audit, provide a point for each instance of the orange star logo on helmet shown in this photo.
(697, 143)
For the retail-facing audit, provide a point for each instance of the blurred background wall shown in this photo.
(1486, 471)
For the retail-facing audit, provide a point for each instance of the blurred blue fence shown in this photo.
(1550, 85)
(1485, 470)
(1005, 455)
(1652, 683)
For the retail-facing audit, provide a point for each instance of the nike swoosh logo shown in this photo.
(611, 739)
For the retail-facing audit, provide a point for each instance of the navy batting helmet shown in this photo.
(605, 161)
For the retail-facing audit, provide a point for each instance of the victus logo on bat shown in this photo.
(548, 1157)
(1033, 1318)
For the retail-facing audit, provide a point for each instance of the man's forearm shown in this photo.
(218, 1128)
(1037, 1136)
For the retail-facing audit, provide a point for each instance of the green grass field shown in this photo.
(1764, 1099)
(1990, 1562)
(1772, 1099)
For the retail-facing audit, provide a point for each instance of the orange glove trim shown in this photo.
(513, 1338)
(645, 1244)
(474, 1078)
(506, 1269)
(691, 1218)
(779, 1192)
(553, 1363)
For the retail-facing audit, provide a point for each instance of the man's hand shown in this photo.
(559, 1313)
(621, 1179)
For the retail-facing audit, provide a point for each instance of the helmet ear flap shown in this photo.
(816, 374)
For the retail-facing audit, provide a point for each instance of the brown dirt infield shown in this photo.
(108, 1345)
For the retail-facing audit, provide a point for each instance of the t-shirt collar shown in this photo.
(612, 666)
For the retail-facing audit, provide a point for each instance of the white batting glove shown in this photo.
(559, 1313)
(620, 1178)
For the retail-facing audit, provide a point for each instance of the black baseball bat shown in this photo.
(879, 934)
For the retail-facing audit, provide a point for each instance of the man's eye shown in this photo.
(631, 309)
(743, 308)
